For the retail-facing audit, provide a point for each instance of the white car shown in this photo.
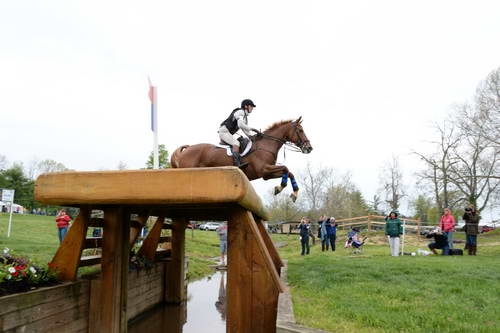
(212, 226)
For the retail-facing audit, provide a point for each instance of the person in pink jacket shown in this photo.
(447, 225)
(62, 221)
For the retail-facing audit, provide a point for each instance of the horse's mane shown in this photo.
(278, 124)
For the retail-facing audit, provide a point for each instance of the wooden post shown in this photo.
(253, 282)
(174, 288)
(150, 244)
(114, 265)
(270, 246)
(369, 225)
(67, 258)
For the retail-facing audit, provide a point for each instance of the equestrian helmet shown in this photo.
(246, 102)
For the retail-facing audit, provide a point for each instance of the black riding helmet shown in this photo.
(246, 102)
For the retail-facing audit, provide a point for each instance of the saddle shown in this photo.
(245, 146)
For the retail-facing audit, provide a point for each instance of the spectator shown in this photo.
(222, 232)
(393, 230)
(440, 241)
(332, 232)
(323, 232)
(304, 229)
(471, 229)
(447, 225)
(62, 221)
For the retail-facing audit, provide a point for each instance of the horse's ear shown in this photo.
(298, 121)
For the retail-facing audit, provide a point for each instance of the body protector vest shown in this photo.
(231, 122)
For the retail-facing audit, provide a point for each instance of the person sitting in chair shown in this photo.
(238, 119)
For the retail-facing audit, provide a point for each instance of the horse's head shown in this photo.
(297, 136)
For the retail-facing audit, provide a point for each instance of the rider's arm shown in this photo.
(240, 117)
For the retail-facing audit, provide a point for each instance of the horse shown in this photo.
(261, 159)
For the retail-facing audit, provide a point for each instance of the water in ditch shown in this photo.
(204, 311)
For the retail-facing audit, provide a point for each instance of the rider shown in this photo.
(238, 119)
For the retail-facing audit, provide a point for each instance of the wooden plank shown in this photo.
(90, 260)
(174, 288)
(92, 243)
(95, 306)
(67, 258)
(150, 244)
(270, 246)
(165, 239)
(114, 267)
(168, 187)
(166, 226)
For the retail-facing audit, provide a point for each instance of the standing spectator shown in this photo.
(332, 232)
(471, 229)
(393, 229)
(222, 232)
(447, 225)
(62, 221)
(305, 229)
(323, 232)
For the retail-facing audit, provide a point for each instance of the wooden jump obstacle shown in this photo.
(181, 195)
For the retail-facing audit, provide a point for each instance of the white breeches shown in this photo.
(225, 136)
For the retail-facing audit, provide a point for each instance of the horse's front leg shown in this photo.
(295, 187)
(277, 171)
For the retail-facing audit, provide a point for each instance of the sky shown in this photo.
(369, 78)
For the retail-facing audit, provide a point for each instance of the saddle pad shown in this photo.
(229, 152)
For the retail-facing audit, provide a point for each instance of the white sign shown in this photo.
(7, 195)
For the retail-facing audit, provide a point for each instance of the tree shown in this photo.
(314, 182)
(422, 205)
(3, 162)
(440, 163)
(122, 166)
(163, 158)
(281, 208)
(14, 178)
(487, 118)
(391, 179)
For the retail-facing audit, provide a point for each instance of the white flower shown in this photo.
(12, 270)
(6, 250)
(32, 270)
(9, 276)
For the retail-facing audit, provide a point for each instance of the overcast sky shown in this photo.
(368, 77)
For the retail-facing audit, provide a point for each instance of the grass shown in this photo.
(35, 237)
(373, 292)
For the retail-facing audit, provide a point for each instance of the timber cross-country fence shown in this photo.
(182, 195)
(374, 222)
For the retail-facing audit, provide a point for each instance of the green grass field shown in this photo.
(373, 292)
(341, 292)
(35, 237)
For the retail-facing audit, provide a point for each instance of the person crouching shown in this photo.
(440, 241)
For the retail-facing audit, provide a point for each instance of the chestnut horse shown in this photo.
(261, 159)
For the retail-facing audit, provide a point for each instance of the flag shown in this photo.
(152, 98)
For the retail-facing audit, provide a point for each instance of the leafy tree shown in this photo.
(163, 158)
(422, 205)
(14, 178)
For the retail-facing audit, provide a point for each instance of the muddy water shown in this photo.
(205, 310)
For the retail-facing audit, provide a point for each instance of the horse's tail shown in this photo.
(174, 160)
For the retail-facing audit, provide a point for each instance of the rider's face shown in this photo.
(249, 108)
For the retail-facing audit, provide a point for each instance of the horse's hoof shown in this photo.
(277, 190)
(293, 197)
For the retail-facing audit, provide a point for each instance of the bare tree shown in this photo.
(391, 179)
(439, 164)
(281, 208)
(314, 182)
(122, 166)
(3, 162)
(486, 120)
(475, 162)
(48, 166)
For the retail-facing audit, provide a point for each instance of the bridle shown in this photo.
(289, 145)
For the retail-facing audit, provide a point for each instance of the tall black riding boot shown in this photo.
(237, 161)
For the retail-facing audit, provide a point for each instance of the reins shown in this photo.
(288, 144)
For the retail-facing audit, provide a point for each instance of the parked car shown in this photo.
(487, 228)
(212, 226)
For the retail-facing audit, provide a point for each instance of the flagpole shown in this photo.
(156, 160)
(154, 123)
